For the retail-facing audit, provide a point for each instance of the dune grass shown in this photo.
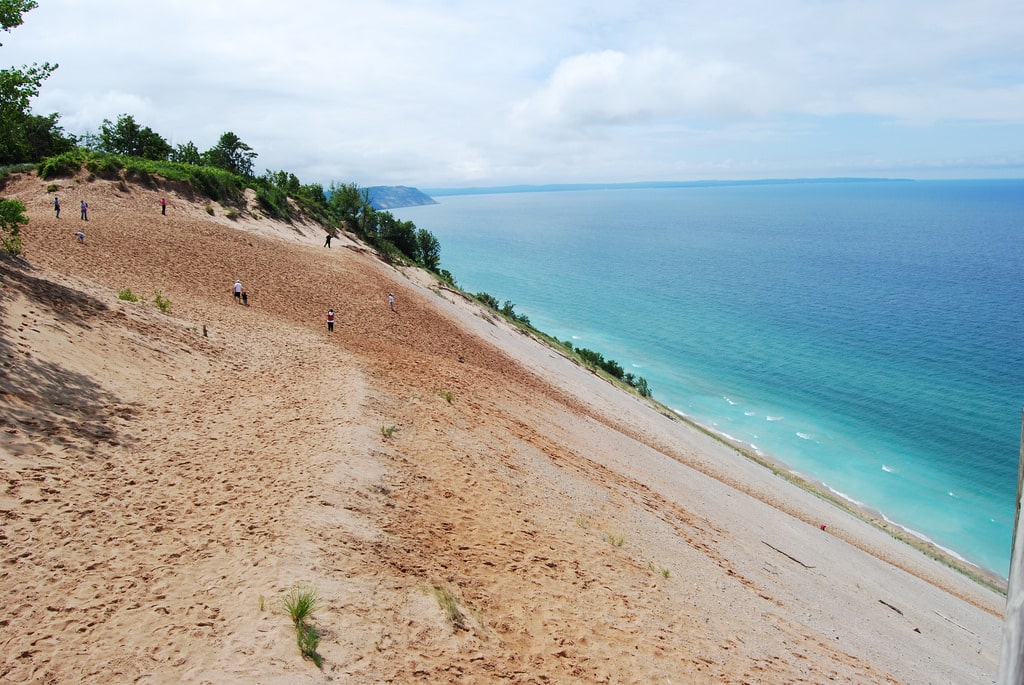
(300, 603)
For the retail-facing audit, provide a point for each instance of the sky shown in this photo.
(455, 93)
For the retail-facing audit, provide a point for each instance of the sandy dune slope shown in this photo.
(162, 489)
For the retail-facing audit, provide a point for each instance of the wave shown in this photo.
(925, 538)
(775, 418)
(805, 436)
(888, 469)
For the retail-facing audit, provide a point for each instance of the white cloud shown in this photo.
(432, 93)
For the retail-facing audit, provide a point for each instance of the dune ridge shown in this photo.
(163, 489)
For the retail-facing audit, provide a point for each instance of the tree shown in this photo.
(187, 154)
(46, 138)
(430, 249)
(12, 218)
(346, 203)
(401, 234)
(126, 137)
(17, 88)
(231, 154)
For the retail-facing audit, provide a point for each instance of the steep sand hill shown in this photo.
(164, 489)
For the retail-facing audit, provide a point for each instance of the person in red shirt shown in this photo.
(330, 320)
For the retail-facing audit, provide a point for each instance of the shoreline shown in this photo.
(939, 479)
(918, 541)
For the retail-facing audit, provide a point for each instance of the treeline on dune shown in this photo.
(127, 151)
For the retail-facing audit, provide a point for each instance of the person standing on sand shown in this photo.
(327, 243)
(330, 320)
(391, 301)
(245, 297)
(238, 291)
(56, 205)
(85, 210)
(163, 205)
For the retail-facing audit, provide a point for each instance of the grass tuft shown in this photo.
(300, 603)
(127, 295)
(615, 539)
(387, 431)
(451, 607)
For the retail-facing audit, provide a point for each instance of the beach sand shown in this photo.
(164, 489)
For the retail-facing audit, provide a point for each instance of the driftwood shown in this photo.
(891, 607)
(957, 624)
(788, 556)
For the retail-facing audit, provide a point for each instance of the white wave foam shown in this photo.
(804, 436)
(775, 418)
(888, 469)
(925, 538)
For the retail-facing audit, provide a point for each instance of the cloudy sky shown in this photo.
(441, 93)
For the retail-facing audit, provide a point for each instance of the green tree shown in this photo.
(401, 234)
(46, 138)
(231, 154)
(430, 249)
(11, 11)
(186, 154)
(17, 88)
(126, 137)
(346, 204)
(12, 218)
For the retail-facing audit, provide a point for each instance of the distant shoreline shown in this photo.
(558, 187)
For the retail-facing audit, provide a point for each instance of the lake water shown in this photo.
(869, 335)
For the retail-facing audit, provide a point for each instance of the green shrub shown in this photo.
(12, 218)
(127, 295)
(273, 200)
(65, 164)
(487, 300)
(104, 165)
(161, 302)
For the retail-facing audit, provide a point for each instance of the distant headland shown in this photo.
(395, 197)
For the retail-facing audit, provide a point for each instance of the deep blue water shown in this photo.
(869, 335)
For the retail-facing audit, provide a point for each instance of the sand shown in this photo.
(164, 489)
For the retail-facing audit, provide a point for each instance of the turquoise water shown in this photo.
(868, 335)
